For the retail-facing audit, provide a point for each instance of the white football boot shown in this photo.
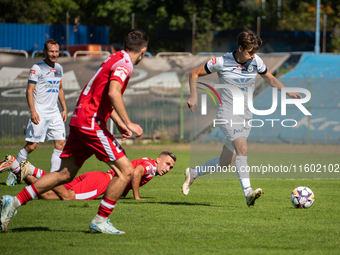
(189, 179)
(5, 165)
(7, 211)
(105, 227)
(252, 196)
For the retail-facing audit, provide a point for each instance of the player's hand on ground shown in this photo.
(135, 128)
(35, 118)
(294, 95)
(64, 115)
(138, 198)
(192, 103)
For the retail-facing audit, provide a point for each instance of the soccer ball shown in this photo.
(302, 197)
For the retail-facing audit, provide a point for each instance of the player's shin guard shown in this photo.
(106, 207)
(27, 194)
(55, 160)
(243, 172)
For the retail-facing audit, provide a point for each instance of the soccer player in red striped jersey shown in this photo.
(91, 185)
(100, 99)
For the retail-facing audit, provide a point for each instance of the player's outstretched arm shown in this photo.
(138, 172)
(30, 100)
(193, 79)
(272, 81)
(62, 101)
(118, 104)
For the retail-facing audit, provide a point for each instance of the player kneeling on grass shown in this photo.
(90, 185)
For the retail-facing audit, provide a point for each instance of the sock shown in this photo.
(55, 160)
(211, 164)
(22, 155)
(106, 207)
(243, 173)
(15, 167)
(38, 172)
(27, 194)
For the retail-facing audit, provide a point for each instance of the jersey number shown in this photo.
(118, 148)
(89, 84)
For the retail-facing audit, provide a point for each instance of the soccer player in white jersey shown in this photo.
(44, 88)
(238, 68)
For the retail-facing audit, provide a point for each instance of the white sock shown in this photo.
(22, 155)
(99, 219)
(211, 164)
(55, 160)
(15, 167)
(243, 173)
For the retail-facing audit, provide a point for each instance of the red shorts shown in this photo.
(83, 144)
(89, 185)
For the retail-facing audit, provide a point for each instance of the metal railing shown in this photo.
(87, 52)
(167, 54)
(5, 50)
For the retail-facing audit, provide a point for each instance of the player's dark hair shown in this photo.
(168, 153)
(248, 39)
(49, 41)
(135, 40)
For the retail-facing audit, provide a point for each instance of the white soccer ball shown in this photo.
(302, 197)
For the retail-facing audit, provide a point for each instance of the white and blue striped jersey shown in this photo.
(241, 75)
(47, 82)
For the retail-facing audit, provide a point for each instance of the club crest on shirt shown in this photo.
(250, 68)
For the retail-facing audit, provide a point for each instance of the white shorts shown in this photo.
(235, 127)
(52, 127)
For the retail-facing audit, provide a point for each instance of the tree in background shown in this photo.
(154, 16)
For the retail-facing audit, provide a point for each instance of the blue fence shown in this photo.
(31, 37)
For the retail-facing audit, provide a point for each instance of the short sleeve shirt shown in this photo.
(241, 75)
(47, 82)
(94, 105)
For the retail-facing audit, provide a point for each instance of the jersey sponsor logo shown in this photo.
(213, 61)
(53, 86)
(121, 72)
(242, 80)
(53, 70)
(241, 67)
(32, 72)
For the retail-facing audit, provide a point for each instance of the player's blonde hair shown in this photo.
(248, 39)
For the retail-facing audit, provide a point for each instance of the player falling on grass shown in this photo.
(91, 185)
(44, 88)
(100, 99)
(238, 68)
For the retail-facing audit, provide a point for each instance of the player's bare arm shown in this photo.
(126, 133)
(135, 181)
(272, 81)
(118, 104)
(30, 100)
(62, 101)
(194, 75)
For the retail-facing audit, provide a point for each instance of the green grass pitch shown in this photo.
(212, 219)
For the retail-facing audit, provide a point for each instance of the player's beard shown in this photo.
(139, 59)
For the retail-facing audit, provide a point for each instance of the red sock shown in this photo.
(106, 207)
(38, 172)
(27, 194)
